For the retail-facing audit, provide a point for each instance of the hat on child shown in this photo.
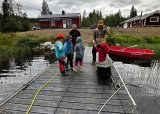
(69, 37)
(60, 36)
(104, 45)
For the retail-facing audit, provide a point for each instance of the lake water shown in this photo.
(14, 73)
(144, 85)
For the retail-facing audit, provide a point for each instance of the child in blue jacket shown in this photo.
(69, 52)
(79, 53)
(60, 53)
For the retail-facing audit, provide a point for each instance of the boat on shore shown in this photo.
(129, 52)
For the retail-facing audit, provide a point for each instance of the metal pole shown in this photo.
(126, 88)
(108, 100)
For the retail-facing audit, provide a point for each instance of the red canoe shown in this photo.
(131, 52)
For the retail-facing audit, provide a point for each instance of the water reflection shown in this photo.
(139, 62)
(144, 85)
(14, 73)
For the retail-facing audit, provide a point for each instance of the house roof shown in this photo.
(132, 19)
(140, 17)
(59, 15)
(147, 15)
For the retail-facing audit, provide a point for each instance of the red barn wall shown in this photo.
(45, 24)
(76, 21)
(59, 24)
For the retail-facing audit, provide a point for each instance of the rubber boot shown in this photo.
(81, 68)
(75, 69)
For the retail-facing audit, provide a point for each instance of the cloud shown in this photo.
(33, 7)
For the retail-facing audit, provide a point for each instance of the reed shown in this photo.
(12, 45)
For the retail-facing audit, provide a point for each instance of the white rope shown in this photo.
(109, 100)
(130, 96)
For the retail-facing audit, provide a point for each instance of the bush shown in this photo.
(124, 39)
(26, 26)
(152, 39)
(26, 42)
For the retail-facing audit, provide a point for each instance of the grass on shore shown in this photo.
(12, 45)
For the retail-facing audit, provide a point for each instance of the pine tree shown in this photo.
(0, 22)
(7, 8)
(133, 12)
(25, 23)
(8, 13)
(101, 15)
(84, 19)
(45, 9)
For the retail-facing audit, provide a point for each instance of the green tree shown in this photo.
(133, 12)
(45, 9)
(101, 15)
(11, 22)
(112, 20)
(84, 19)
(7, 10)
(0, 22)
(25, 23)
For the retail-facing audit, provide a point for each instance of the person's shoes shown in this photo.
(81, 68)
(93, 63)
(67, 69)
(64, 74)
(75, 69)
(55, 62)
(71, 68)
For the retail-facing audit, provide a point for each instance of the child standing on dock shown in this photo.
(79, 54)
(103, 59)
(104, 63)
(69, 52)
(60, 53)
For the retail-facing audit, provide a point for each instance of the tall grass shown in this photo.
(150, 42)
(14, 46)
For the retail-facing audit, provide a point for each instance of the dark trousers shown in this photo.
(94, 54)
(61, 65)
(69, 60)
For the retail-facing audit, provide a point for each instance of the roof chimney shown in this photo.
(63, 12)
(141, 13)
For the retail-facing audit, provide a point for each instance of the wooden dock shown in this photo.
(78, 93)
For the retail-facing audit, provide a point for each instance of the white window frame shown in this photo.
(154, 17)
(52, 23)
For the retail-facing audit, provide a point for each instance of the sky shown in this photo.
(33, 7)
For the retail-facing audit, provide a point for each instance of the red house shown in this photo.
(147, 20)
(64, 20)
